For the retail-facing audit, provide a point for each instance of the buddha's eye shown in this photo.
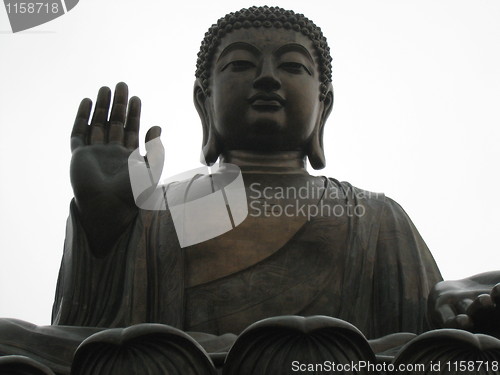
(294, 67)
(239, 65)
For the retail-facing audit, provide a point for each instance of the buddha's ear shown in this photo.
(316, 152)
(209, 147)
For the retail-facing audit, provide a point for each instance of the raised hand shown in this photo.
(472, 304)
(99, 169)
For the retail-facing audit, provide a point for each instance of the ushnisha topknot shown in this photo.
(264, 16)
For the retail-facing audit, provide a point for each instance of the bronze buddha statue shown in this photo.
(263, 92)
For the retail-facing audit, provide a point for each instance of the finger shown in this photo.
(81, 127)
(153, 132)
(482, 306)
(495, 295)
(464, 321)
(101, 106)
(97, 134)
(100, 117)
(444, 315)
(119, 109)
(463, 305)
(155, 153)
(118, 113)
(132, 124)
(116, 133)
(461, 321)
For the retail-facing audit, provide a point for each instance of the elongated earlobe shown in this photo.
(210, 149)
(316, 151)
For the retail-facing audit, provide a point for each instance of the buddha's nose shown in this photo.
(267, 78)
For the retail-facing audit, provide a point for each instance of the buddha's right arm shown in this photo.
(104, 222)
(99, 166)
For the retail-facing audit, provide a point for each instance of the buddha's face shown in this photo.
(265, 90)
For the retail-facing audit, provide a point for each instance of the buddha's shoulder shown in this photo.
(376, 202)
(347, 190)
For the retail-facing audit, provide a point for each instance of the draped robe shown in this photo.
(372, 270)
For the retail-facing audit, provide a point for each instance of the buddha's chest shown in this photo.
(255, 239)
(299, 269)
(278, 208)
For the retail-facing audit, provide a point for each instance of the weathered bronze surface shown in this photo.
(263, 110)
(263, 92)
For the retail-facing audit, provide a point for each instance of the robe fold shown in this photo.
(370, 268)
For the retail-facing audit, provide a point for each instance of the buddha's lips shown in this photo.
(266, 104)
(267, 101)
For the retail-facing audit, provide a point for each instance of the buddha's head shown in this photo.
(264, 84)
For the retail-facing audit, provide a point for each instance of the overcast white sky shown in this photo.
(416, 115)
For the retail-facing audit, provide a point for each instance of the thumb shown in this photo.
(153, 132)
(155, 153)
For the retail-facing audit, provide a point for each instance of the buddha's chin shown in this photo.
(265, 132)
(264, 142)
(266, 123)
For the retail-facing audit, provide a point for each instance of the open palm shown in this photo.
(99, 164)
